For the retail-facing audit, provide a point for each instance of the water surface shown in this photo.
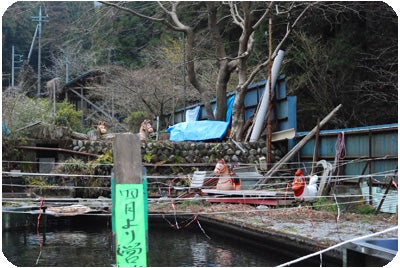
(91, 245)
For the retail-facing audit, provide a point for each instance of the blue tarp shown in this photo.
(193, 114)
(229, 108)
(198, 130)
(5, 129)
(229, 103)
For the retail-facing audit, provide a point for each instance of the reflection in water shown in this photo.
(199, 251)
(167, 247)
(223, 257)
(191, 247)
(60, 248)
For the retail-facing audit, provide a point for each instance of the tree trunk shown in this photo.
(221, 88)
(204, 92)
(238, 115)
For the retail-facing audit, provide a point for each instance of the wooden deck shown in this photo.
(253, 197)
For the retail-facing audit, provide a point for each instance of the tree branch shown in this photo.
(278, 47)
(134, 12)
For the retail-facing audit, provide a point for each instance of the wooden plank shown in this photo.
(251, 201)
(316, 145)
(296, 148)
(283, 135)
(247, 193)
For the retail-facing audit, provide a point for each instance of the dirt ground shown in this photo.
(325, 227)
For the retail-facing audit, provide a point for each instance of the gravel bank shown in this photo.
(302, 227)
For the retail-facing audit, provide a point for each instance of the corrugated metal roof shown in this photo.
(352, 130)
(83, 76)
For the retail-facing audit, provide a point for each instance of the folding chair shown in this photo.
(196, 183)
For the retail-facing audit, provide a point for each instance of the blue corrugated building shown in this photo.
(284, 106)
(367, 150)
(366, 158)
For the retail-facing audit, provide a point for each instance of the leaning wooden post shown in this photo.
(130, 216)
(315, 155)
(296, 148)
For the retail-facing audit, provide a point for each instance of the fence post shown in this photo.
(130, 214)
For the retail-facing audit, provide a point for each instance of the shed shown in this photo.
(77, 93)
(284, 114)
(368, 150)
(366, 158)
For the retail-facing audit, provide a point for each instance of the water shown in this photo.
(60, 248)
(80, 245)
(193, 247)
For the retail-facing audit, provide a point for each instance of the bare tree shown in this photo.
(147, 90)
(246, 43)
(346, 63)
(154, 89)
(53, 87)
(72, 56)
(247, 16)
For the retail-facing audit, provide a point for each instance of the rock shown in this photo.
(79, 136)
(93, 135)
(235, 158)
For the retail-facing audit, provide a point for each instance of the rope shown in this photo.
(313, 231)
(201, 228)
(340, 151)
(168, 177)
(38, 229)
(336, 246)
(288, 184)
(54, 174)
(66, 201)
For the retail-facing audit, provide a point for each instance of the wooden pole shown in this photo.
(127, 159)
(296, 148)
(370, 166)
(384, 195)
(129, 208)
(271, 90)
(315, 155)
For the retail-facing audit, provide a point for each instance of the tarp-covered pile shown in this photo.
(193, 130)
(198, 130)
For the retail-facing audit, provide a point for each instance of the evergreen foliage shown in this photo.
(66, 115)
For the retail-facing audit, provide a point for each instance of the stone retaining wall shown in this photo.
(194, 152)
(166, 152)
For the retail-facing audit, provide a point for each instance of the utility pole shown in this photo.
(39, 19)
(13, 62)
(67, 68)
(271, 90)
(184, 74)
(12, 67)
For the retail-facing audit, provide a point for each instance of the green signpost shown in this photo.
(129, 196)
(130, 223)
